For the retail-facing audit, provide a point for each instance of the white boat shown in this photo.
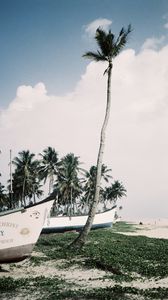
(66, 223)
(20, 229)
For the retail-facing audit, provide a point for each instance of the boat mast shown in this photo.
(11, 186)
(0, 153)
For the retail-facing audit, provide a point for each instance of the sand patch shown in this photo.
(79, 277)
(150, 228)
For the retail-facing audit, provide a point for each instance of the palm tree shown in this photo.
(89, 187)
(3, 196)
(115, 191)
(68, 186)
(25, 175)
(109, 48)
(35, 189)
(49, 166)
(104, 173)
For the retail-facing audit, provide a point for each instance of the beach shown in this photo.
(153, 228)
(77, 275)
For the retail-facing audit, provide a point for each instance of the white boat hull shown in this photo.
(65, 223)
(20, 229)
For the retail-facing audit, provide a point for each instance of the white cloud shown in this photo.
(165, 17)
(153, 43)
(90, 29)
(137, 144)
(27, 97)
(166, 25)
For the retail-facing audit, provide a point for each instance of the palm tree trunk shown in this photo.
(34, 196)
(87, 203)
(70, 213)
(23, 191)
(50, 184)
(81, 239)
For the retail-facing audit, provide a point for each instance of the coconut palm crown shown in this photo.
(109, 46)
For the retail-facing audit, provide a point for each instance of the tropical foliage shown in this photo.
(25, 178)
(3, 196)
(114, 192)
(68, 184)
(48, 166)
(73, 186)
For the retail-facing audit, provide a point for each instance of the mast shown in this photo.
(11, 186)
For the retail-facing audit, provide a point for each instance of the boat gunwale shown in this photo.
(85, 215)
(23, 208)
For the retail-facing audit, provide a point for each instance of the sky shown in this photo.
(51, 96)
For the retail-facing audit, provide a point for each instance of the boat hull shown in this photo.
(15, 254)
(20, 230)
(64, 223)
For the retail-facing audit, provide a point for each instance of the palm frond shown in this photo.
(105, 41)
(109, 47)
(97, 56)
(100, 38)
(121, 40)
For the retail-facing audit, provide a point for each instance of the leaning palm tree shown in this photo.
(109, 48)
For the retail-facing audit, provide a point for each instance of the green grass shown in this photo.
(124, 227)
(41, 288)
(120, 254)
(123, 256)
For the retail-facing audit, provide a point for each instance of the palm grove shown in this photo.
(73, 187)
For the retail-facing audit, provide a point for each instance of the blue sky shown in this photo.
(51, 96)
(43, 40)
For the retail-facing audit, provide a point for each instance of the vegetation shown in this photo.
(73, 186)
(3, 196)
(68, 186)
(48, 166)
(25, 178)
(54, 288)
(126, 259)
(108, 250)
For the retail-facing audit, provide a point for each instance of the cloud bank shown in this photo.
(136, 142)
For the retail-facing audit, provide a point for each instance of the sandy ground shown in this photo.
(90, 278)
(154, 228)
(80, 277)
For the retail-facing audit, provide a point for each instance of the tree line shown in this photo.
(73, 186)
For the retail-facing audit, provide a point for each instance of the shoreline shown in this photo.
(153, 228)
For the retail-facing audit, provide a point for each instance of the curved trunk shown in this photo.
(81, 239)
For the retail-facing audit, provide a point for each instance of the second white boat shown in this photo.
(65, 223)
